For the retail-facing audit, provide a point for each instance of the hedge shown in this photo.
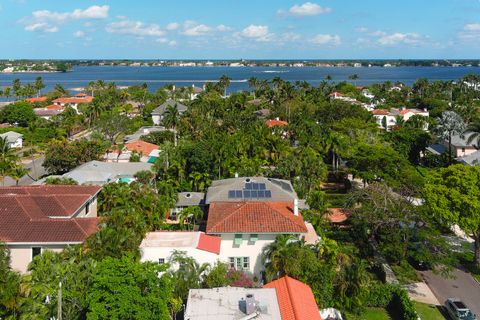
(382, 295)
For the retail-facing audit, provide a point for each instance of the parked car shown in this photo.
(458, 310)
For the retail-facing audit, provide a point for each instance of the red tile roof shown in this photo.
(81, 95)
(209, 243)
(26, 214)
(54, 106)
(38, 99)
(338, 215)
(254, 217)
(380, 112)
(141, 147)
(295, 299)
(336, 94)
(275, 123)
(85, 99)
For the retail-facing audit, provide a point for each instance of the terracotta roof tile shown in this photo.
(38, 99)
(26, 213)
(338, 215)
(84, 99)
(141, 147)
(254, 217)
(275, 123)
(295, 299)
(209, 243)
(380, 112)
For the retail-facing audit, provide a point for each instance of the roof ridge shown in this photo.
(291, 295)
(290, 218)
(23, 209)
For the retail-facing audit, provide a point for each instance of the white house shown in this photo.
(14, 139)
(157, 114)
(73, 102)
(159, 246)
(387, 119)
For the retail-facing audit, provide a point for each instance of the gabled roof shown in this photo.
(275, 123)
(141, 147)
(169, 103)
(380, 112)
(37, 99)
(295, 299)
(48, 112)
(472, 159)
(254, 217)
(461, 140)
(44, 214)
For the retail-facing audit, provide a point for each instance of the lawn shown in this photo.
(428, 312)
(371, 314)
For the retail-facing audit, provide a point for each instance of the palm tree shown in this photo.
(328, 77)
(61, 90)
(39, 85)
(448, 125)
(353, 77)
(253, 83)
(276, 255)
(474, 130)
(8, 158)
(171, 119)
(224, 83)
(17, 172)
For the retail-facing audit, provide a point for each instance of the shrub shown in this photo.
(401, 302)
(379, 295)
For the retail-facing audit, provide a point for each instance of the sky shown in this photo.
(234, 29)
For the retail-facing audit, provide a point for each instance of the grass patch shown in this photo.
(428, 312)
(405, 273)
(370, 314)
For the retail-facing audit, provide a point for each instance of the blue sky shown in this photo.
(250, 29)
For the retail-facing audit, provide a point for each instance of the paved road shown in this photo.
(462, 286)
(27, 179)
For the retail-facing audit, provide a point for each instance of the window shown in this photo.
(253, 238)
(239, 263)
(463, 150)
(161, 260)
(36, 251)
(87, 208)
(238, 239)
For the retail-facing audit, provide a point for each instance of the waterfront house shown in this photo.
(38, 218)
(49, 111)
(14, 139)
(157, 114)
(36, 100)
(387, 119)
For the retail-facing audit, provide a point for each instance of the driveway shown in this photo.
(461, 285)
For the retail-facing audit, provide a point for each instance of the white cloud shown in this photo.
(472, 27)
(223, 28)
(136, 28)
(398, 38)
(49, 21)
(323, 39)
(173, 26)
(192, 29)
(307, 9)
(79, 34)
(257, 32)
(361, 29)
(40, 27)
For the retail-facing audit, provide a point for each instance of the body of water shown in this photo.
(157, 77)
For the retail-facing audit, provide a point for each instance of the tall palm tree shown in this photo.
(353, 77)
(61, 90)
(253, 83)
(224, 83)
(8, 158)
(171, 119)
(275, 256)
(448, 125)
(39, 85)
(474, 130)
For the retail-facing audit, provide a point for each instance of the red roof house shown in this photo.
(295, 299)
(254, 217)
(141, 147)
(45, 217)
(35, 100)
(275, 123)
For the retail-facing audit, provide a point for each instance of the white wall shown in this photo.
(156, 119)
(155, 253)
(246, 249)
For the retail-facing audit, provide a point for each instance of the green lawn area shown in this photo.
(371, 314)
(428, 312)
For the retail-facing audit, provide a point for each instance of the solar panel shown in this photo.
(262, 186)
(255, 186)
(231, 194)
(248, 186)
(268, 194)
(247, 194)
(261, 193)
(238, 193)
(254, 194)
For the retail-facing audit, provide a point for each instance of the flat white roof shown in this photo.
(228, 303)
(171, 239)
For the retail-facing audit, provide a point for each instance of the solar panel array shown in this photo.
(252, 190)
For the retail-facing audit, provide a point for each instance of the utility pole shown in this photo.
(59, 306)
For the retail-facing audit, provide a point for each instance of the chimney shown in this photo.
(251, 306)
(277, 118)
(295, 206)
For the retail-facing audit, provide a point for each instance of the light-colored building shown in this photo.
(100, 173)
(157, 114)
(473, 159)
(49, 111)
(143, 131)
(232, 303)
(460, 146)
(73, 102)
(159, 246)
(386, 119)
(38, 218)
(14, 139)
(185, 200)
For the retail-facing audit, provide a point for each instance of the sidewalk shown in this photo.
(421, 292)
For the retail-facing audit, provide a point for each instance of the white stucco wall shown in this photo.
(21, 255)
(153, 254)
(156, 119)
